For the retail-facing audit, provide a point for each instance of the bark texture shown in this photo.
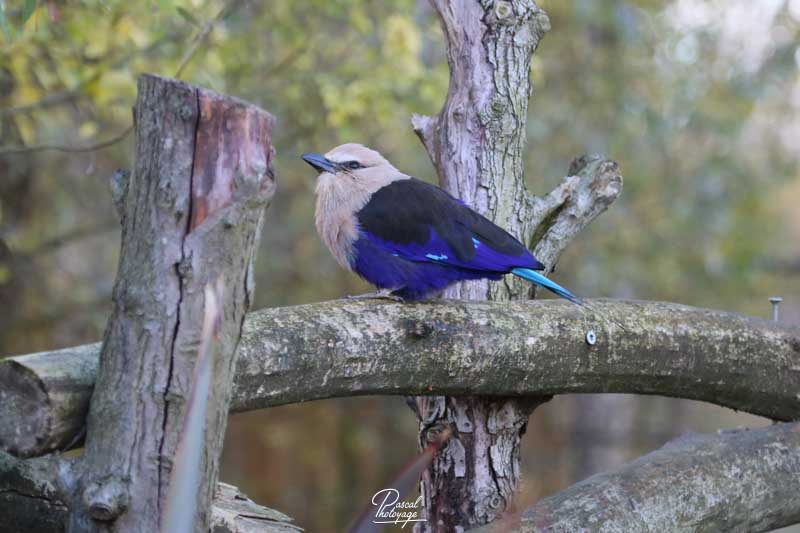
(31, 495)
(32, 501)
(476, 144)
(739, 481)
(234, 512)
(191, 213)
(525, 348)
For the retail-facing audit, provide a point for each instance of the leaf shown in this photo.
(4, 25)
(187, 16)
(27, 10)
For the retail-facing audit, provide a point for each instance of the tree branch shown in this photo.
(553, 220)
(197, 41)
(8, 150)
(537, 348)
(738, 481)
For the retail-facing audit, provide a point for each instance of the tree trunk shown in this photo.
(476, 144)
(191, 214)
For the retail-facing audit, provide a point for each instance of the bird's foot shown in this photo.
(382, 294)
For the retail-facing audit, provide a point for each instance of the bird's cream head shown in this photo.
(348, 176)
(353, 163)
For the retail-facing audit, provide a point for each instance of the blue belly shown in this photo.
(411, 280)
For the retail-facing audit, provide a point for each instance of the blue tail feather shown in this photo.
(542, 281)
(550, 285)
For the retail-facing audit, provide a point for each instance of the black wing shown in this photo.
(421, 222)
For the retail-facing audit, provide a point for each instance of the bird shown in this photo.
(407, 237)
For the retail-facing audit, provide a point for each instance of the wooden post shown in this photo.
(191, 213)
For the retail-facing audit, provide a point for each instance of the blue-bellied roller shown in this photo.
(407, 237)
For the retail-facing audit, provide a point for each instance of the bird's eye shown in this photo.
(353, 165)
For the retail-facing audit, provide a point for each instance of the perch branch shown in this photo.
(538, 348)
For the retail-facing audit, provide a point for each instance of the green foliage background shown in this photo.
(698, 101)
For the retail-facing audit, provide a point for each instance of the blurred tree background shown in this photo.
(699, 101)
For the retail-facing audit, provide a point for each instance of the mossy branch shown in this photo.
(534, 348)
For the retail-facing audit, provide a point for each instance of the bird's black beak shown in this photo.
(320, 162)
